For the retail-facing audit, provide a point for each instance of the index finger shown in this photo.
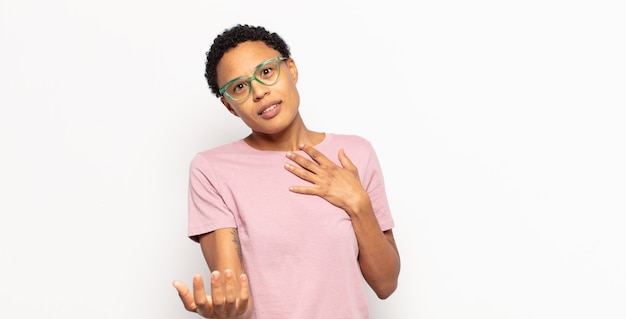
(200, 297)
(315, 155)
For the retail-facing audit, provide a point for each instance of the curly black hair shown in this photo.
(229, 39)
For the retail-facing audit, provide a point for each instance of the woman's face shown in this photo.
(268, 109)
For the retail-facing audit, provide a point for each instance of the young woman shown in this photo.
(290, 221)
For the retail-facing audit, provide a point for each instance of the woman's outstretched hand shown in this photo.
(229, 297)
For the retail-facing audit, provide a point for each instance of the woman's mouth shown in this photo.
(268, 109)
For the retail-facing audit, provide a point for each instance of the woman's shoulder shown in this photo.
(345, 140)
(221, 152)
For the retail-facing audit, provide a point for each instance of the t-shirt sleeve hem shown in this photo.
(194, 233)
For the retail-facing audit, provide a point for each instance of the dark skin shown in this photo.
(230, 294)
(340, 185)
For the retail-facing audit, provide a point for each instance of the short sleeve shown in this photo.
(206, 208)
(374, 184)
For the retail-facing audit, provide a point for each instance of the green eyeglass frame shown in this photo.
(224, 89)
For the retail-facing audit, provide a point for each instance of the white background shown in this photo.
(500, 126)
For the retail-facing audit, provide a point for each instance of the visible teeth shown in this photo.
(269, 109)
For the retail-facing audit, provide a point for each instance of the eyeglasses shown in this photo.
(266, 73)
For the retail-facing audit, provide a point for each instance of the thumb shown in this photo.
(344, 160)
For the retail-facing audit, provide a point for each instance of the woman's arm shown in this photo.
(340, 185)
(378, 254)
(230, 294)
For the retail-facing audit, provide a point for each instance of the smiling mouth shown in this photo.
(269, 109)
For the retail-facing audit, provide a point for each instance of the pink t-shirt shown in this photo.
(300, 252)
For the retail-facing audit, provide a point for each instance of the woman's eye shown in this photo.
(238, 87)
(266, 72)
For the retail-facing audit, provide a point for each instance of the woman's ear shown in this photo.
(228, 107)
(293, 70)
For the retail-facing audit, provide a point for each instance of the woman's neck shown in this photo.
(287, 140)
